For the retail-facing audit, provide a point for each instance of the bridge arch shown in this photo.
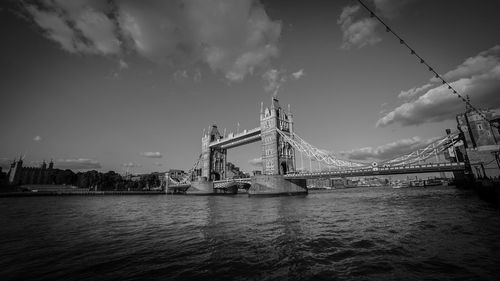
(283, 168)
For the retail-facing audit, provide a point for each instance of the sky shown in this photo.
(130, 86)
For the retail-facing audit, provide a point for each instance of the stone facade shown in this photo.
(481, 143)
(477, 131)
(213, 160)
(276, 185)
(19, 175)
(278, 156)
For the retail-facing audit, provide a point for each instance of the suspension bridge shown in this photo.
(281, 150)
(280, 147)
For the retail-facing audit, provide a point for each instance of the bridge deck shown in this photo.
(242, 138)
(379, 171)
(227, 182)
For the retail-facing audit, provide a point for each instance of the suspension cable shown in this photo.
(422, 61)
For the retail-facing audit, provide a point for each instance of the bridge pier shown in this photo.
(201, 187)
(276, 185)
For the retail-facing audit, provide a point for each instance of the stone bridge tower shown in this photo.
(278, 156)
(213, 159)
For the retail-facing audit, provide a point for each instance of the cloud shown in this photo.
(256, 162)
(77, 164)
(359, 30)
(298, 74)
(231, 37)
(151, 154)
(274, 79)
(180, 75)
(131, 165)
(387, 151)
(37, 138)
(480, 82)
(122, 64)
(79, 26)
(390, 8)
(197, 76)
(408, 94)
(484, 62)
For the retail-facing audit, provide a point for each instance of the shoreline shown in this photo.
(78, 193)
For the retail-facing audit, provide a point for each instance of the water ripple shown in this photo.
(436, 233)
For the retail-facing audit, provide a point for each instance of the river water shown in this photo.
(438, 233)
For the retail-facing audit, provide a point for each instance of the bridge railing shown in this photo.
(334, 162)
(423, 168)
(235, 136)
(233, 180)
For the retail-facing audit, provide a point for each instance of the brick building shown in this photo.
(482, 142)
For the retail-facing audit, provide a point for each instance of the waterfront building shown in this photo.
(19, 175)
(233, 172)
(482, 141)
(176, 174)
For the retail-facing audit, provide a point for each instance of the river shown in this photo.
(437, 233)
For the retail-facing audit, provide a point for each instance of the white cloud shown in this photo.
(408, 94)
(360, 30)
(480, 82)
(484, 62)
(77, 164)
(357, 32)
(57, 29)
(122, 64)
(37, 138)
(387, 151)
(298, 74)
(180, 75)
(274, 79)
(390, 8)
(256, 162)
(151, 154)
(131, 165)
(231, 37)
(197, 76)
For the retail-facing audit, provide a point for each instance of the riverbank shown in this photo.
(78, 193)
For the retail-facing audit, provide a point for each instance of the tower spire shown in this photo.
(467, 104)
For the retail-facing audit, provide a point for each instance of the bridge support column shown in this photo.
(276, 185)
(201, 187)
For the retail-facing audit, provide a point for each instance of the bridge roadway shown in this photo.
(226, 182)
(381, 171)
(245, 137)
(375, 171)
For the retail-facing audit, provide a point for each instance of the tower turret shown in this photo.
(278, 157)
(15, 172)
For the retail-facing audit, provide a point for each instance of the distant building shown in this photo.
(19, 175)
(233, 172)
(481, 142)
(176, 174)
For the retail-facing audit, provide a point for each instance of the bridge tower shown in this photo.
(278, 156)
(213, 159)
(213, 163)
